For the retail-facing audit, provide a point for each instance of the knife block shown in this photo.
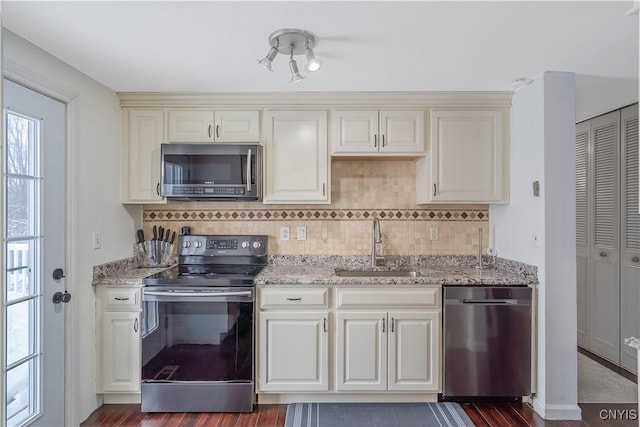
(153, 253)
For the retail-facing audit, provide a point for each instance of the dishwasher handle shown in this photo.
(487, 301)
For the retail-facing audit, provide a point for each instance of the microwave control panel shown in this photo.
(183, 190)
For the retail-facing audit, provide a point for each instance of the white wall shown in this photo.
(542, 149)
(93, 203)
(597, 95)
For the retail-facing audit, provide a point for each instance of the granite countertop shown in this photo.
(321, 270)
(122, 272)
(450, 275)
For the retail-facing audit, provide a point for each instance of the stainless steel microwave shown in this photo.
(211, 171)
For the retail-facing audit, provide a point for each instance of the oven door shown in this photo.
(197, 349)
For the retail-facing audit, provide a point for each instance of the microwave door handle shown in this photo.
(249, 170)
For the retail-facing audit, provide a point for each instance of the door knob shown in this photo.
(58, 274)
(59, 297)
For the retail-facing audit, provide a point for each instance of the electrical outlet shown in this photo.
(433, 233)
(96, 239)
(301, 233)
(284, 233)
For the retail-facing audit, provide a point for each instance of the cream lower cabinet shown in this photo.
(396, 350)
(348, 340)
(118, 339)
(293, 340)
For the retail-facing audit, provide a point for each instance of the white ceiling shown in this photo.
(153, 46)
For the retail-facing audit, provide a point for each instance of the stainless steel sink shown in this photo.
(377, 273)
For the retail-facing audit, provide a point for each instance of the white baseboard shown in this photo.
(557, 412)
(121, 398)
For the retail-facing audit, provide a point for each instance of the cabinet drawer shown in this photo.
(294, 297)
(387, 298)
(121, 298)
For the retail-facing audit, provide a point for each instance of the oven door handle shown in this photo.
(198, 294)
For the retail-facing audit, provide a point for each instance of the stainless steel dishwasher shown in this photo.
(487, 341)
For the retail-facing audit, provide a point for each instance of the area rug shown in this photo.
(441, 414)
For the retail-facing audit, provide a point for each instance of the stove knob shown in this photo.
(256, 245)
(198, 244)
(245, 245)
(186, 244)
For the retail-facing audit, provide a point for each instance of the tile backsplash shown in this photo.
(360, 191)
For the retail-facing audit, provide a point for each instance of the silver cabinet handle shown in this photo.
(135, 325)
(158, 189)
(294, 299)
(393, 324)
(209, 131)
(635, 259)
(121, 299)
(603, 254)
(323, 189)
(383, 140)
(249, 170)
(434, 190)
(384, 325)
(375, 141)
(217, 131)
(324, 324)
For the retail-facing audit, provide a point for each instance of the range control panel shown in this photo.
(212, 245)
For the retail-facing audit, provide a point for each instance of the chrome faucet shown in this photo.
(479, 258)
(376, 238)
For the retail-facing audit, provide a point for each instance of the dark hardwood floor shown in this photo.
(481, 413)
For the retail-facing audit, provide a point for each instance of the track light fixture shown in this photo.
(291, 41)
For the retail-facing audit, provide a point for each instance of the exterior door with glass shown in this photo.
(33, 235)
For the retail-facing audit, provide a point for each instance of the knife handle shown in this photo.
(173, 237)
(155, 233)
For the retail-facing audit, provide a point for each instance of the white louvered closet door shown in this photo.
(630, 256)
(604, 317)
(582, 231)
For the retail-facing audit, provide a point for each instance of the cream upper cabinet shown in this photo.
(467, 160)
(295, 157)
(143, 132)
(377, 132)
(214, 126)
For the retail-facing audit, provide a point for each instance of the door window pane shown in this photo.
(21, 138)
(21, 205)
(20, 331)
(21, 269)
(21, 386)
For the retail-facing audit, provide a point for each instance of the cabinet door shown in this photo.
(237, 126)
(355, 132)
(604, 322)
(144, 134)
(630, 256)
(466, 159)
(190, 126)
(401, 131)
(295, 156)
(414, 348)
(293, 351)
(361, 351)
(121, 352)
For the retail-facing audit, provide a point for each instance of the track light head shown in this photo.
(291, 41)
